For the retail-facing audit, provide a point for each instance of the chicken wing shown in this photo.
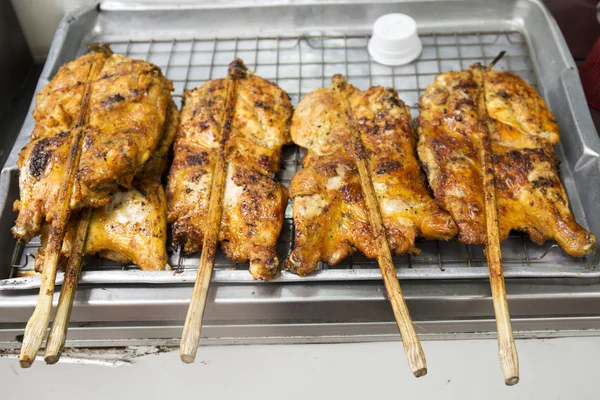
(329, 210)
(254, 202)
(530, 196)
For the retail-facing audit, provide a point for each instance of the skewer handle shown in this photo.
(35, 331)
(507, 350)
(193, 321)
(410, 340)
(60, 325)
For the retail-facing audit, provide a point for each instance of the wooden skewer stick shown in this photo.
(410, 340)
(60, 324)
(193, 321)
(507, 350)
(35, 331)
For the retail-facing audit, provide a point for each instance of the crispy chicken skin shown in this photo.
(254, 202)
(530, 196)
(448, 115)
(329, 210)
(124, 114)
(132, 228)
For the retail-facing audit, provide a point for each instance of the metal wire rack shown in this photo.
(300, 64)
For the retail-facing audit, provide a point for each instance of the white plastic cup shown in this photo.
(395, 40)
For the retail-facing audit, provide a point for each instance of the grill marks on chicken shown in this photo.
(329, 209)
(254, 202)
(125, 120)
(530, 196)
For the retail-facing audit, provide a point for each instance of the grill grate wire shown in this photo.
(300, 64)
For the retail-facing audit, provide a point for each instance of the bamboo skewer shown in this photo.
(507, 351)
(60, 324)
(193, 321)
(410, 340)
(35, 331)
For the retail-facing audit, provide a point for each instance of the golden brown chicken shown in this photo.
(132, 228)
(254, 202)
(124, 115)
(530, 196)
(330, 215)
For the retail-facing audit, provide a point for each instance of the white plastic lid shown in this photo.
(395, 40)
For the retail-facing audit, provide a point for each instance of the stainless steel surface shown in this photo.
(301, 46)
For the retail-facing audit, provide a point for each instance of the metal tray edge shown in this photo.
(231, 276)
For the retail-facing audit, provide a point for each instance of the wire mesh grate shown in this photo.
(300, 64)
(304, 63)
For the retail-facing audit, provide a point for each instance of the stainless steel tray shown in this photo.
(300, 49)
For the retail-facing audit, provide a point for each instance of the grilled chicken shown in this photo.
(329, 210)
(123, 114)
(530, 196)
(132, 228)
(254, 202)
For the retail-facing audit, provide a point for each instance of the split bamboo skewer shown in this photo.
(193, 321)
(410, 340)
(35, 331)
(60, 324)
(507, 350)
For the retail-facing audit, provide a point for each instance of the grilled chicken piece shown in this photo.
(132, 228)
(254, 202)
(329, 210)
(124, 115)
(530, 196)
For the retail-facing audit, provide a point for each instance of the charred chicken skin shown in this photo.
(523, 132)
(125, 113)
(254, 202)
(329, 210)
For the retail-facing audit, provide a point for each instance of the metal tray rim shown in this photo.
(241, 276)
